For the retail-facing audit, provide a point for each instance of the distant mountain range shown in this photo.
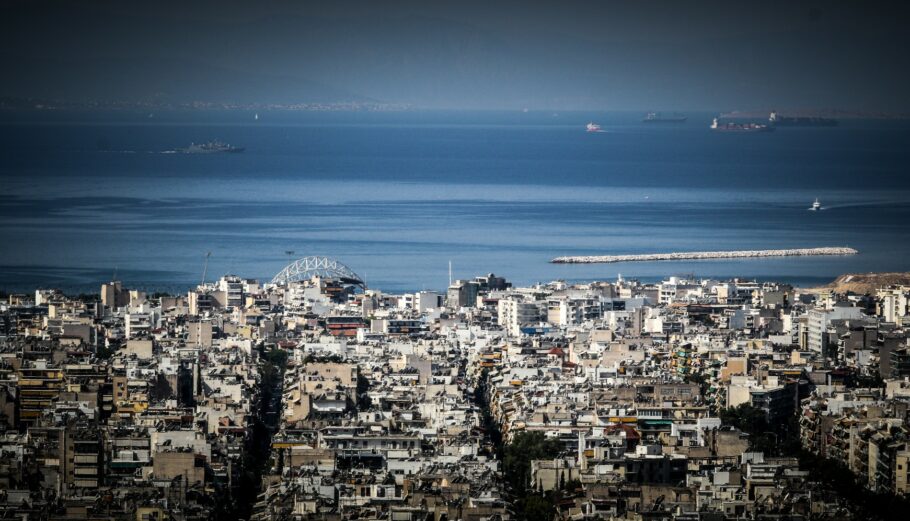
(155, 80)
(14, 103)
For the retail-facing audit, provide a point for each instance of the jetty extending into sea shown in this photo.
(703, 255)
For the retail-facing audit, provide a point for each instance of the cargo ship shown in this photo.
(800, 121)
(657, 117)
(210, 148)
(740, 127)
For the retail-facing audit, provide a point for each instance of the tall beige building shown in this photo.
(113, 295)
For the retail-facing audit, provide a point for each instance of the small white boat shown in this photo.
(593, 127)
(816, 206)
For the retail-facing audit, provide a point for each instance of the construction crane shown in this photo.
(205, 267)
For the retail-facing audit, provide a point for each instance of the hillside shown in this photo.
(862, 283)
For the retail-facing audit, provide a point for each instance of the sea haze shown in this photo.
(396, 195)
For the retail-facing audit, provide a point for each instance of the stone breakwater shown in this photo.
(702, 255)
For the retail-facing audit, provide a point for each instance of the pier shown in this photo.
(703, 255)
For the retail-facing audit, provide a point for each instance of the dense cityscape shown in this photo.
(675, 232)
(312, 396)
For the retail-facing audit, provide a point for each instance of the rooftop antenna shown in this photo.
(450, 273)
(205, 267)
(114, 275)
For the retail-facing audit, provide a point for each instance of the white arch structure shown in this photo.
(307, 267)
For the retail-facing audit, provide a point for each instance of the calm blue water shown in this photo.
(397, 195)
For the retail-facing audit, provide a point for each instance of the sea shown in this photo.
(91, 196)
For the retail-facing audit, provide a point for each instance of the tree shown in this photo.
(161, 390)
(746, 418)
(527, 446)
(535, 508)
(752, 420)
(701, 380)
(363, 399)
(572, 485)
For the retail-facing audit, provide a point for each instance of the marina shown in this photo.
(703, 255)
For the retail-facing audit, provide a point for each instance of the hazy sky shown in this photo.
(635, 55)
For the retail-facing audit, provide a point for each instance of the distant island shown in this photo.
(814, 113)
